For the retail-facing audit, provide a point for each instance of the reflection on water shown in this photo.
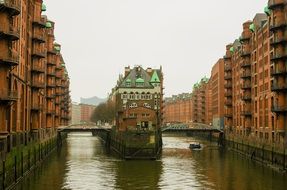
(82, 163)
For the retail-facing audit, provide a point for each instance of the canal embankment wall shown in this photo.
(22, 159)
(270, 154)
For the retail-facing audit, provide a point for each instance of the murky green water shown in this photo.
(83, 164)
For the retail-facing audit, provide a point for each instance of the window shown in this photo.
(133, 105)
(147, 105)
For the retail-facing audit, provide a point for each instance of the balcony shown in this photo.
(279, 109)
(228, 94)
(273, 4)
(277, 26)
(36, 106)
(13, 7)
(227, 76)
(244, 37)
(8, 95)
(50, 111)
(228, 115)
(279, 56)
(50, 96)
(11, 59)
(227, 68)
(57, 101)
(51, 73)
(245, 75)
(51, 50)
(276, 87)
(227, 57)
(246, 113)
(51, 84)
(12, 33)
(246, 97)
(276, 72)
(40, 22)
(39, 53)
(39, 36)
(65, 117)
(245, 64)
(228, 85)
(228, 103)
(245, 53)
(245, 86)
(37, 84)
(38, 68)
(278, 41)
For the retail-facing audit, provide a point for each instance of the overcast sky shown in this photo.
(100, 37)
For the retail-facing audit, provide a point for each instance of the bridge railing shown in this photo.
(186, 126)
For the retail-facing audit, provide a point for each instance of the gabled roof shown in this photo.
(155, 78)
(136, 75)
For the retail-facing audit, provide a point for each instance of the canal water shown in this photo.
(82, 163)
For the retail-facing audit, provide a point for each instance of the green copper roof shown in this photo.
(154, 78)
(232, 49)
(43, 7)
(267, 10)
(63, 65)
(48, 25)
(140, 80)
(128, 80)
(205, 79)
(252, 27)
(57, 48)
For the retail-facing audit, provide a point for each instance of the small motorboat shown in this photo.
(195, 146)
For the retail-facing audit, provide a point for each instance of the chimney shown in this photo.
(149, 70)
(127, 70)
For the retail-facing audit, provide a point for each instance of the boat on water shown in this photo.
(195, 146)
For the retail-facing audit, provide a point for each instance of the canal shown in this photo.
(82, 163)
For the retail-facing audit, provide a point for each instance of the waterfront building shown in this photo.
(215, 98)
(76, 113)
(255, 78)
(138, 99)
(86, 112)
(178, 109)
(201, 102)
(278, 56)
(34, 84)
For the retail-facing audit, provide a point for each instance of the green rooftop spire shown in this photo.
(232, 49)
(154, 78)
(267, 11)
(44, 8)
(48, 25)
(252, 27)
(57, 47)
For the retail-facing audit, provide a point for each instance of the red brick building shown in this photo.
(34, 84)
(178, 109)
(86, 112)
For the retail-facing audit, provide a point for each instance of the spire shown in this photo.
(154, 78)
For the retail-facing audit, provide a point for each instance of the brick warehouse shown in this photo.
(34, 93)
(251, 89)
(203, 105)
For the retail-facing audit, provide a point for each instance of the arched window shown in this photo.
(147, 105)
(133, 105)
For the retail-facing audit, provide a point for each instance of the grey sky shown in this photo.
(100, 37)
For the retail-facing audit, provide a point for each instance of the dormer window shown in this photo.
(139, 82)
(128, 82)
